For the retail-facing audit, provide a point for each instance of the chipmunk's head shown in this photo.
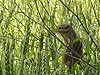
(64, 28)
(65, 31)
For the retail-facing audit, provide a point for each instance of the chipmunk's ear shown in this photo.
(70, 24)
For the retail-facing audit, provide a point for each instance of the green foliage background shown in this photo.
(28, 45)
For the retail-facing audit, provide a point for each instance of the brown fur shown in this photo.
(68, 34)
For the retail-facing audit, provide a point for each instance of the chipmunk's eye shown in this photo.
(59, 28)
(66, 27)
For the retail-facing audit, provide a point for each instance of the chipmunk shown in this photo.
(69, 34)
